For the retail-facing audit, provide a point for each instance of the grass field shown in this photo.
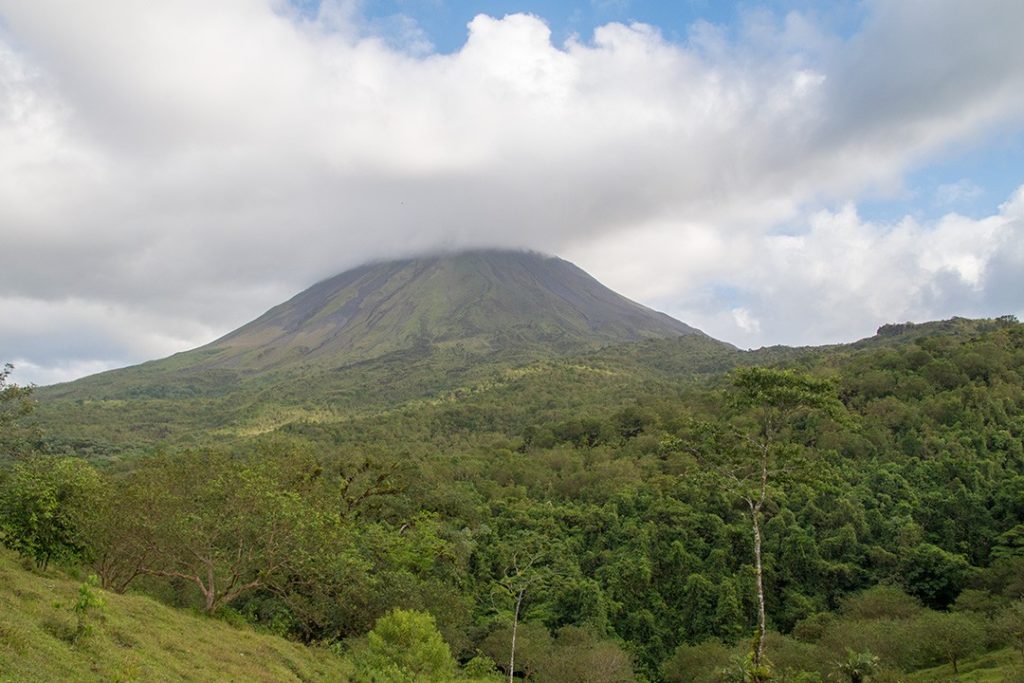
(1002, 666)
(133, 638)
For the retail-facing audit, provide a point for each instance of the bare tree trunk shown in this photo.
(755, 518)
(515, 627)
(211, 592)
(761, 629)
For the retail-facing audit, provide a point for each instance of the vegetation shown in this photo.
(50, 630)
(662, 511)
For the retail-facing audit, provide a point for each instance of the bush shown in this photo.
(404, 647)
(881, 602)
(696, 663)
(43, 505)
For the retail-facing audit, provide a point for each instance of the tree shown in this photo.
(933, 575)
(579, 656)
(756, 450)
(880, 602)
(1010, 624)
(949, 636)
(405, 647)
(122, 531)
(15, 403)
(533, 646)
(696, 663)
(44, 505)
(226, 525)
(520, 575)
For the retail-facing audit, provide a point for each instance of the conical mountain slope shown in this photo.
(470, 307)
(485, 300)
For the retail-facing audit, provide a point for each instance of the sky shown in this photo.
(779, 172)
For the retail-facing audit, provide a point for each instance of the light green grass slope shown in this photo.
(135, 639)
(1002, 666)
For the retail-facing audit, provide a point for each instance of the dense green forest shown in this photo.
(610, 513)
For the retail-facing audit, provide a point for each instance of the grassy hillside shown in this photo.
(1003, 666)
(135, 638)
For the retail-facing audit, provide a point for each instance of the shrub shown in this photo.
(405, 647)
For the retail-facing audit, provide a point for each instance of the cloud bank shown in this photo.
(170, 170)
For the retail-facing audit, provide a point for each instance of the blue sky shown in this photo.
(444, 22)
(972, 179)
(772, 172)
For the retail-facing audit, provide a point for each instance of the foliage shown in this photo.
(44, 505)
(1010, 625)
(405, 647)
(225, 526)
(745, 670)
(16, 402)
(607, 462)
(858, 666)
(85, 607)
(933, 575)
(698, 663)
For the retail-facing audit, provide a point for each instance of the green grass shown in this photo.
(134, 638)
(1001, 666)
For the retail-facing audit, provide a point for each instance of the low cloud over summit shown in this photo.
(170, 170)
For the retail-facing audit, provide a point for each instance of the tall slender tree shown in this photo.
(756, 452)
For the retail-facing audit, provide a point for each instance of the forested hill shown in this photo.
(599, 491)
(196, 407)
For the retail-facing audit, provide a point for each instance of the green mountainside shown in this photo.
(366, 340)
(473, 307)
(488, 299)
(584, 489)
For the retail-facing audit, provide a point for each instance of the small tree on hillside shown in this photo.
(1010, 624)
(949, 636)
(44, 506)
(122, 532)
(16, 403)
(405, 647)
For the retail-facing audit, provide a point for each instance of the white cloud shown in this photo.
(962, 190)
(745, 321)
(26, 372)
(189, 164)
(843, 276)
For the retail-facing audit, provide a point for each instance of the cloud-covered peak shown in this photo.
(169, 170)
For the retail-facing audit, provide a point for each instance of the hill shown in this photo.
(152, 404)
(135, 638)
(489, 300)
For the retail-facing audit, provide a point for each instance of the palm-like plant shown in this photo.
(858, 666)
